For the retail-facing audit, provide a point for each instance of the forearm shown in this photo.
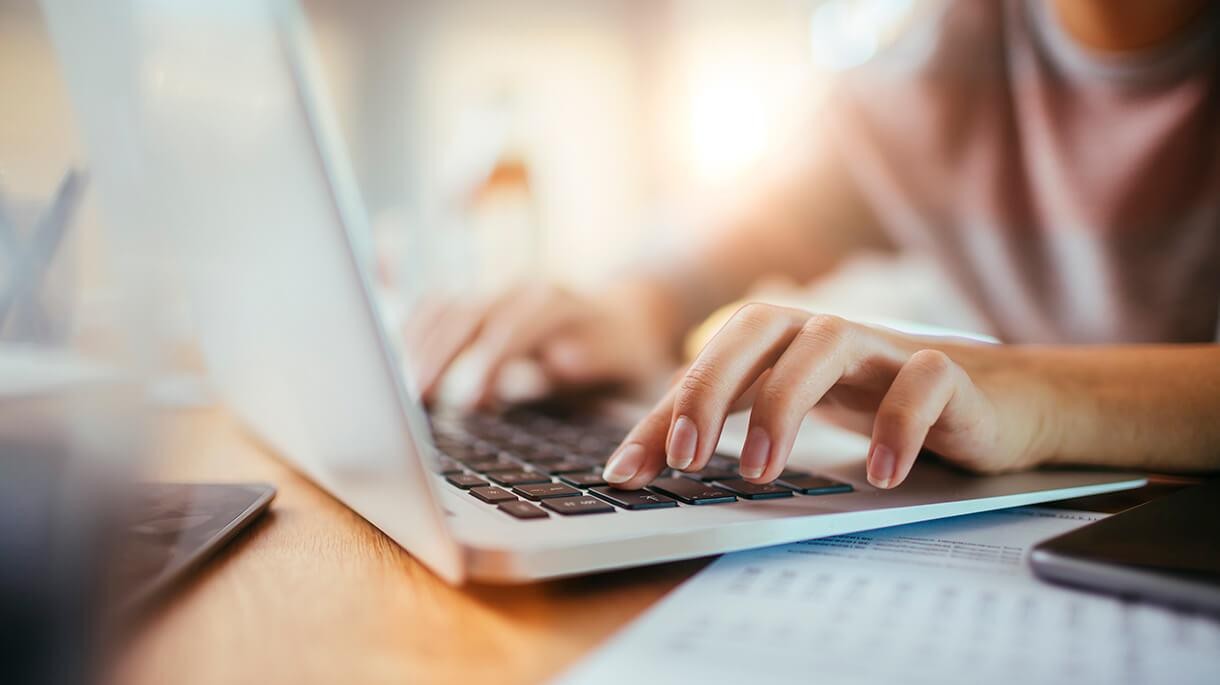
(1138, 406)
(769, 240)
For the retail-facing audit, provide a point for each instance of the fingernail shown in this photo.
(754, 453)
(682, 442)
(625, 463)
(881, 466)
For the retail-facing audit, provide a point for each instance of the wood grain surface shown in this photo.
(314, 594)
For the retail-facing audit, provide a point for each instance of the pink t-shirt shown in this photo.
(1071, 196)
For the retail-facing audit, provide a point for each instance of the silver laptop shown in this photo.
(264, 210)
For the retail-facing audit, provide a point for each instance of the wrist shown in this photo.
(1030, 405)
(1049, 405)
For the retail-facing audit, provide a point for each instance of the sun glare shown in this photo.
(729, 124)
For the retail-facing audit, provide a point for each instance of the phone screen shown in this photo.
(171, 528)
(1167, 550)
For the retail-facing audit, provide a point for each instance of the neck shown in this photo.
(1127, 25)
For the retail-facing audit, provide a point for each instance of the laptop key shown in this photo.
(748, 490)
(691, 491)
(493, 465)
(634, 500)
(577, 506)
(566, 466)
(543, 453)
(519, 477)
(809, 484)
(522, 510)
(446, 466)
(465, 481)
(583, 480)
(541, 491)
(492, 495)
(711, 473)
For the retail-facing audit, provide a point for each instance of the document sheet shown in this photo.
(949, 601)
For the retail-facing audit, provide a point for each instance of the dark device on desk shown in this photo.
(1165, 551)
(172, 528)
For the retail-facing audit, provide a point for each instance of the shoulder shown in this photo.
(945, 39)
(943, 74)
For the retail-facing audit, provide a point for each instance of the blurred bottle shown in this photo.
(494, 195)
(503, 216)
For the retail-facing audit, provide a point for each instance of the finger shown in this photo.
(514, 331)
(579, 356)
(751, 341)
(422, 315)
(434, 349)
(813, 363)
(928, 387)
(641, 457)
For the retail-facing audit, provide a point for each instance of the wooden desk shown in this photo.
(314, 594)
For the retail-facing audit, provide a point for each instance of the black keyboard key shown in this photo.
(522, 510)
(577, 506)
(809, 484)
(748, 490)
(465, 480)
(521, 440)
(542, 453)
(519, 477)
(635, 499)
(492, 495)
(711, 473)
(445, 444)
(596, 444)
(583, 480)
(446, 466)
(472, 450)
(541, 491)
(493, 465)
(692, 491)
(566, 466)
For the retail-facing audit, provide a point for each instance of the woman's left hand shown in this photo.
(781, 363)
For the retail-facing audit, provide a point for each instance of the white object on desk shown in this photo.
(27, 370)
(949, 601)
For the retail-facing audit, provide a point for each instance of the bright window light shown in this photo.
(729, 124)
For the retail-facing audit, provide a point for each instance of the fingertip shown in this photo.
(755, 454)
(683, 441)
(569, 360)
(624, 465)
(882, 466)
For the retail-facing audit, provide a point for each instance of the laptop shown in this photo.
(243, 148)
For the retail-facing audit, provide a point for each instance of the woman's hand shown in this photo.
(573, 339)
(781, 363)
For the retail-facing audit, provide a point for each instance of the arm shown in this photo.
(989, 408)
(1152, 407)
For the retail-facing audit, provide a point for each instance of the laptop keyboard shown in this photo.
(527, 464)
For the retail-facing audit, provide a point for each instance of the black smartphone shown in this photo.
(1165, 551)
(171, 528)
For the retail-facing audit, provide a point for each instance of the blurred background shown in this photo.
(559, 138)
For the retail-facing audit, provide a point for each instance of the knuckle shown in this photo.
(701, 380)
(825, 329)
(931, 361)
(774, 397)
(755, 315)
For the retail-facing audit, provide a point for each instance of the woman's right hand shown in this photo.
(573, 339)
